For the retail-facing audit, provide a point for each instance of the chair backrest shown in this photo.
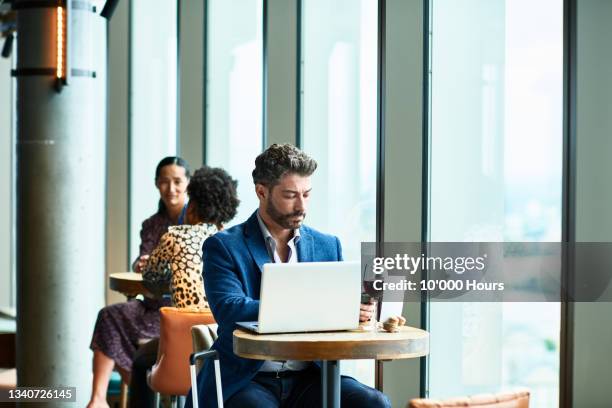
(170, 374)
(518, 399)
(203, 337)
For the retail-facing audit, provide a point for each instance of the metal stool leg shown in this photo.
(330, 384)
(194, 387)
(124, 395)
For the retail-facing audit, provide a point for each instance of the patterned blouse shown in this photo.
(177, 261)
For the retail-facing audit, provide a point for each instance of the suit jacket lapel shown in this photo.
(305, 247)
(255, 242)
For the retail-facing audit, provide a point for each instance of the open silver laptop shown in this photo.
(308, 297)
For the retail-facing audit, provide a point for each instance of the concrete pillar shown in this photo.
(61, 149)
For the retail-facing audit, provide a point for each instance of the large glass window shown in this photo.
(496, 175)
(153, 104)
(234, 98)
(339, 124)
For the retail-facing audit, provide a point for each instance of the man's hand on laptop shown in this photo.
(366, 311)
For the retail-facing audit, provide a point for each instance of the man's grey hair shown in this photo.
(280, 159)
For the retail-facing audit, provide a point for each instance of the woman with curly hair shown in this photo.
(177, 260)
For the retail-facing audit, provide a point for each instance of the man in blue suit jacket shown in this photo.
(233, 261)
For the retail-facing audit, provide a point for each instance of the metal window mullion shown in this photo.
(568, 227)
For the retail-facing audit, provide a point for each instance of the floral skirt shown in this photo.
(122, 326)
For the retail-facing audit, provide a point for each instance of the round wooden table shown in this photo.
(128, 283)
(331, 347)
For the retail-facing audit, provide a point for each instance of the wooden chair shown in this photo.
(518, 399)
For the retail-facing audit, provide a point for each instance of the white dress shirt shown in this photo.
(277, 366)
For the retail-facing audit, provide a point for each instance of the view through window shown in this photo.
(234, 93)
(339, 70)
(496, 175)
